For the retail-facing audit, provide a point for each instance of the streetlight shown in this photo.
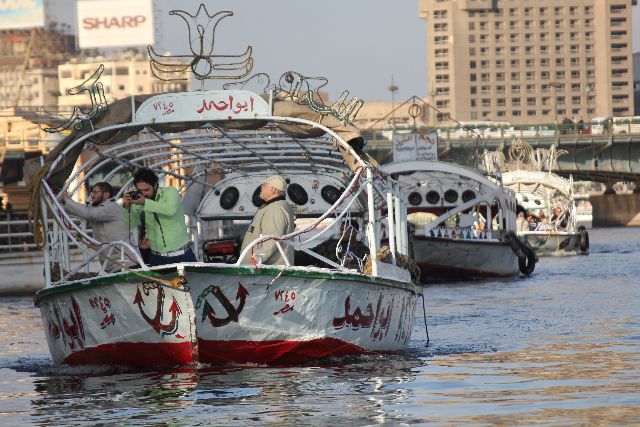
(393, 89)
(434, 111)
(555, 85)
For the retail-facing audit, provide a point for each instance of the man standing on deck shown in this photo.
(273, 218)
(104, 216)
(165, 228)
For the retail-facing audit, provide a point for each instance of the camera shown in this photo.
(135, 194)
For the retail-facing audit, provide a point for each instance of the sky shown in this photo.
(358, 45)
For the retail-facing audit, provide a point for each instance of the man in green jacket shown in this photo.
(166, 231)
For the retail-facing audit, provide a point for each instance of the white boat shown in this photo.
(218, 310)
(540, 192)
(464, 224)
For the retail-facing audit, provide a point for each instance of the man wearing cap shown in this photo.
(273, 218)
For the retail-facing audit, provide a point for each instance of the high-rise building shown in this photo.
(530, 62)
(28, 61)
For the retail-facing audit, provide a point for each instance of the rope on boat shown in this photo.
(424, 312)
(35, 214)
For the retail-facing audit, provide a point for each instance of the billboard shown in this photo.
(16, 14)
(415, 146)
(114, 23)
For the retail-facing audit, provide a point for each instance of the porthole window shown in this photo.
(468, 195)
(330, 194)
(229, 198)
(433, 197)
(297, 194)
(450, 196)
(415, 198)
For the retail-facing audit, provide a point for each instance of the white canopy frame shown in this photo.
(253, 151)
(448, 175)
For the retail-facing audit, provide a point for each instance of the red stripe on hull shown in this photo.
(138, 355)
(270, 352)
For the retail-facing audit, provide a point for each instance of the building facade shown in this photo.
(28, 62)
(530, 62)
(125, 73)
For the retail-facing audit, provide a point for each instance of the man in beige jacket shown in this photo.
(273, 218)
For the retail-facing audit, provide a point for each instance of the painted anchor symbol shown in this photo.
(233, 312)
(156, 321)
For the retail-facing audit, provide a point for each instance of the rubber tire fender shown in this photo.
(528, 263)
(584, 240)
(526, 255)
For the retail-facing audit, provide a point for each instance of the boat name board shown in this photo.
(205, 105)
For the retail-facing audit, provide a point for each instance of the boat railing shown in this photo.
(362, 179)
(465, 233)
(16, 236)
(97, 258)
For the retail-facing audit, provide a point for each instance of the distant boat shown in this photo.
(464, 224)
(543, 191)
(546, 197)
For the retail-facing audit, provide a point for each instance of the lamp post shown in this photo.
(555, 86)
(393, 89)
(434, 108)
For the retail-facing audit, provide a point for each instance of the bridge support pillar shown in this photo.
(611, 210)
(608, 188)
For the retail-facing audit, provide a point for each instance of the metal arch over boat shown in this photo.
(437, 166)
(537, 178)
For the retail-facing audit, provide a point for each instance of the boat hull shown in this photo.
(121, 321)
(548, 243)
(459, 259)
(247, 316)
(228, 315)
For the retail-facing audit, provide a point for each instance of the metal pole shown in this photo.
(371, 234)
(391, 225)
(45, 240)
(398, 220)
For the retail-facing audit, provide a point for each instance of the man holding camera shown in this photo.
(166, 231)
(103, 215)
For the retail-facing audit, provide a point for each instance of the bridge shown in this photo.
(605, 157)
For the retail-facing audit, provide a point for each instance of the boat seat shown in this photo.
(225, 250)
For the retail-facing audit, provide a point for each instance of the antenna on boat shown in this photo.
(202, 61)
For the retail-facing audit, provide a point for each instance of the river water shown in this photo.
(561, 347)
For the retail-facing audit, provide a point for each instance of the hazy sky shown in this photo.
(356, 44)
